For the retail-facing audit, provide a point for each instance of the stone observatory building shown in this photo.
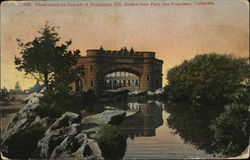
(123, 69)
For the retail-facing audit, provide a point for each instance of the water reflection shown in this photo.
(215, 130)
(144, 121)
(201, 127)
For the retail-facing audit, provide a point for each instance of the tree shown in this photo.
(47, 61)
(17, 87)
(210, 78)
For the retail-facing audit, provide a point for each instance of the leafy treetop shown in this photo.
(47, 61)
(211, 78)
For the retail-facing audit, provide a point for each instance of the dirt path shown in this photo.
(7, 112)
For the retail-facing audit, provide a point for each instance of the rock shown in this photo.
(23, 122)
(109, 108)
(107, 117)
(81, 137)
(54, 137)
(22, 119)
(150, 93)
(84, 113)
(88, 150)
(32, 96)
(2, 157)
(66, 139)
(96, 151)
(64, 145)
(92, 132)
(65, 120)
(159, 91)
(68, 146)
(159, 104)
(134, 93)
(130, 113)
(43, 122)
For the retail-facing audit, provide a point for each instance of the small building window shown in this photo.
(91, 68)
(147, 77)
(91, 83)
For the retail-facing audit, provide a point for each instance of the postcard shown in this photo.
(125, 79)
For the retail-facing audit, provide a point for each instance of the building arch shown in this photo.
(98, 63)
(123, 69)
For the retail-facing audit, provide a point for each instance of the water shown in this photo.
(158, 131)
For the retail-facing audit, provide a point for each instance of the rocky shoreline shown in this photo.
(70, 136)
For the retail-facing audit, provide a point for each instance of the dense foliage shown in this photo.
(54, 65)
(112, 142)
(23, 144)
(231, 130)
(210, 78)
(47, 61)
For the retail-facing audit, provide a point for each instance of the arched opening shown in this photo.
(122, 80)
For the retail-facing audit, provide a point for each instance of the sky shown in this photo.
(175, 33)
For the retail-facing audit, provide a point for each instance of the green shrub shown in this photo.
(90, 102)
(231, 130)
(112, 142)
(23, 144)
(55, 104)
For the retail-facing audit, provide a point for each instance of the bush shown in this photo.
(90, 102)
(55, 104)
(23, 144)
(111, 142)
(89, 96)
(231, 130)
(209, 78)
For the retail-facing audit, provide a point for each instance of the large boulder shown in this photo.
(64, 126)
(66, 139)
(22, 119)
(65, 120)
(27, 123)
(114, 117)
(53, 138)
(69, 145)
(72, 148)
